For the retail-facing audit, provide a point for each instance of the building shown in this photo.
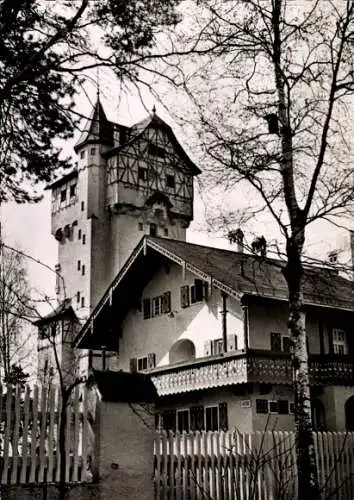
(210, 326)
(128, 181)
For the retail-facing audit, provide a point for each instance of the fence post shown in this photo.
(125, 431)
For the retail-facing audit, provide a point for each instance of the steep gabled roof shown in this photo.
(237, 274)
(98, 129)
(62, 180)
(154, 121)
(63, 310)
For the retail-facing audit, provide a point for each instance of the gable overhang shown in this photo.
(102, 329)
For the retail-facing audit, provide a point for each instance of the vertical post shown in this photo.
(245, 323)
(320, 331)
(224, 320)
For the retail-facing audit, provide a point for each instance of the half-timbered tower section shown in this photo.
(149, 188)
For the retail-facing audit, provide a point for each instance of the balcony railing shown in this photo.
(246, 367)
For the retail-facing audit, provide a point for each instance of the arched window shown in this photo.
(182, 350)
(349, 414)
(318, 415)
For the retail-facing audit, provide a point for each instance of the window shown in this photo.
(211, 418)
(142, 174)
(197, 291)
(142, 363)
(141, 226)
(83, 239)
(170, 181)
(82, 301)
(79, 234)
(93, 151)
(183, 420)
(217, 347)
(72, 190)
(281, 407)
(339, 341)
(196, 294)
(157, 305)
(83, 270)
(82, 154)
(82, 206)
(63, 196)
(333, 257)
(153, 229)
(165, 231)
(78, 265)
(279, 342)
(155, 150)
(78, 297)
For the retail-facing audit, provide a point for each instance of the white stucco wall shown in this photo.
(199, 322)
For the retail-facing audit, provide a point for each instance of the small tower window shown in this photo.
(82, 301)
(165, 231)
(79, 234)
(83, 270)
(142, 174)
(93, 151)
(84, 239)
(141, 226)
(72, 190)
(170, 181)
(82, 154)
(78, 297)
(78, 265)
(82, 206)
(63, 196)
(153, 229)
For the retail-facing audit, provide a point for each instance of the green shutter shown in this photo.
(151, 360)
(197, 418)
(275, 341)
(166, 302)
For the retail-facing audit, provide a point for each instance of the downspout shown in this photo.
(224, 320)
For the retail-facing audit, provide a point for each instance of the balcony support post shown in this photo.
(245, 323)
(224, 320)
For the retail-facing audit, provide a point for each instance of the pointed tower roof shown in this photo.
(97, 129)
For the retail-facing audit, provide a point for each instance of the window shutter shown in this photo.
(275, 341)
(151, 360)
(261, 405)
(287, 344)
(199, 286)
(223, 421)
(133, 365)
(207, 348)
(147, 308)
(166, 302)
(232, 342)
(185, 296)
(197, 418)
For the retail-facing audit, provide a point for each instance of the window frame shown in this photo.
(141, 359)
(211, 407)
(169, 178)
(338, 342)
(183, 411)
(63, 196)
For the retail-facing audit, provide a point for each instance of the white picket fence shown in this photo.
(29, 435)
(254, 466)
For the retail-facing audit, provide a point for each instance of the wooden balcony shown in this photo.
(253, 366)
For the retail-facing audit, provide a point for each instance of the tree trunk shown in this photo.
(305, 451)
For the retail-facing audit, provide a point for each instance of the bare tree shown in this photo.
(269, 84)
(16, 313)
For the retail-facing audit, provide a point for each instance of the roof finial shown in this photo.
(154, 109)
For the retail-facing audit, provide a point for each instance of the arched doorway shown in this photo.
(349, 414)
(182, 350)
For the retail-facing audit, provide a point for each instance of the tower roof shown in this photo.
(98, 128)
